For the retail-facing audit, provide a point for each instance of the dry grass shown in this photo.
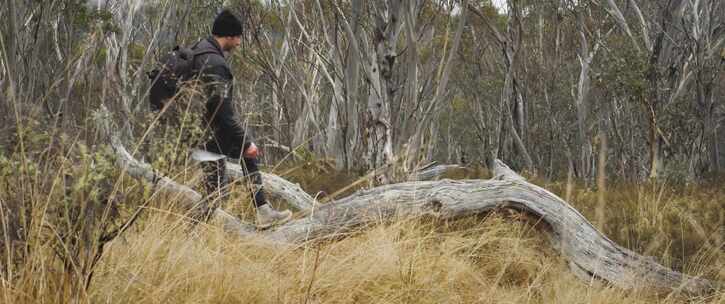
(491, 260)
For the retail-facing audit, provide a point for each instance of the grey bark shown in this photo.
(615, 12)
(309, 86)
(279, 58)
(585, 54)
(433, 172)
(414, 145)
(381, 54)
(10, 48)
(590, 253)
(351, 129)
(510, 46)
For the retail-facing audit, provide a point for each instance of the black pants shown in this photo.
(217, 185)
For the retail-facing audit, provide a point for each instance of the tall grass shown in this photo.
(489, 260)
(60, 197)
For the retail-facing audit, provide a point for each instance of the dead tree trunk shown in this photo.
(590, 253)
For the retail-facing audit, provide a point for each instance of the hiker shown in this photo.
(229, 138)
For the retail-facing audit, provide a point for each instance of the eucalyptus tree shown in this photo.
(511, 120)
(391, 69)
(681, 40)
(427, 120)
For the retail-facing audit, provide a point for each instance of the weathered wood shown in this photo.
(590, 253)
(278, 187)
(162, 184)
(433, 172)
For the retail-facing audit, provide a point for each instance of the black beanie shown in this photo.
(226, 25)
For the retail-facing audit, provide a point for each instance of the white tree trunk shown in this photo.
(415, 143)
(279, 58)
(586, 55)
(311, 108)
(382, 55)
(509, 46)
(10, 50)
(615, 12)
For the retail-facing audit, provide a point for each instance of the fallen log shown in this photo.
(181, 193)
(278, 188)
(433, 172)
(590, 254)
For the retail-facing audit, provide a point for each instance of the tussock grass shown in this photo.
(480, 260)
(164, 258)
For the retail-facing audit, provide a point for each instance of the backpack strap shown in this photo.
(198, 52)
(194, 68)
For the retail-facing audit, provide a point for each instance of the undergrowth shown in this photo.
(76, 229)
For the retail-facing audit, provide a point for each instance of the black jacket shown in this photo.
(228, 134)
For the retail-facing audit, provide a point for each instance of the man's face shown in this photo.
(231, 43)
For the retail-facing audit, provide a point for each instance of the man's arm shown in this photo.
(229, 134)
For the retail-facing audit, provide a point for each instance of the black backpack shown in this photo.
(175, 67)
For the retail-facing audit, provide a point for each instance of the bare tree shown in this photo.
(672, 64)
(705, 34)
(431, 107)
(511, 95)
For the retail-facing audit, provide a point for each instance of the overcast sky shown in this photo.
(500, 4)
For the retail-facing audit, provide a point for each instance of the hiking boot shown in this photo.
(267, 217)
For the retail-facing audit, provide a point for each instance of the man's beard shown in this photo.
(228, 48)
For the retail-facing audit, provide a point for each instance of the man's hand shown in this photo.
(251, 151)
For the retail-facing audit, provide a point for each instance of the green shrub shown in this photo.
(61, 202)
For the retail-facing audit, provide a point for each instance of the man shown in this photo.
(229, 139)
